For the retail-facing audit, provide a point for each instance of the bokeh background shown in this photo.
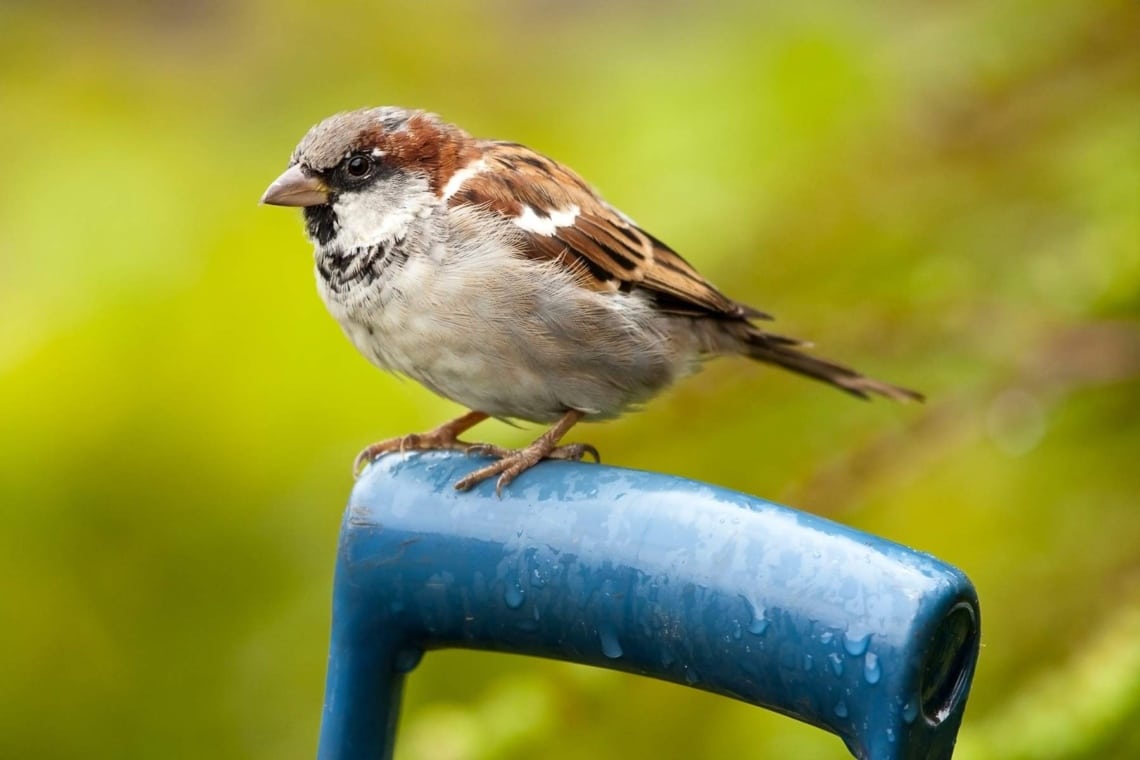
(946, 194)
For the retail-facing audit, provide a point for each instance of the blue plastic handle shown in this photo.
(649, 574)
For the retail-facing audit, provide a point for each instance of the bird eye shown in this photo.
(358, 166)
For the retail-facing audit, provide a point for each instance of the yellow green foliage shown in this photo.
(946, 195)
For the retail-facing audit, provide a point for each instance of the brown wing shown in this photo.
(563, 219)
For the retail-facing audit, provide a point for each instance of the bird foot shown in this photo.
(443, 438)
(512, 462)
(411, 442)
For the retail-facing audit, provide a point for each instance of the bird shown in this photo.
(498, 278)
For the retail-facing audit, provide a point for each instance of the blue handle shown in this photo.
(650, 574)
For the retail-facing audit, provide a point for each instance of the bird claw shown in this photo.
(575, 452)
(488, 450)
(509, 462)
(405, 443)
(370, 454)
(513, 462)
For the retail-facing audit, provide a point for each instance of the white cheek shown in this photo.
(380, 216)
(363, 224)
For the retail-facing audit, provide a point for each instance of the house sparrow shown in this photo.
(497, 278)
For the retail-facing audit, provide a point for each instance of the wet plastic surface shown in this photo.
(649, 574)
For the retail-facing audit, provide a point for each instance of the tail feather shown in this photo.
(773, 349)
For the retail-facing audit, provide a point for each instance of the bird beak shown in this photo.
(295, 188)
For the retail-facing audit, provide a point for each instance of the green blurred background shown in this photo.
(945, 194)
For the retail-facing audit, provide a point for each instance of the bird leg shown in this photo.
(446, 436)
(511, 462)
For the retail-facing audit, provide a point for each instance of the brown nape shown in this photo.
(774, 349)
(428, 144)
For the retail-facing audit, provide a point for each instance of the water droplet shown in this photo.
(691, 675)
(407, 659)
(841, 709)
(910, 711)
(537, 579)
(856, 645)
(758, 623)
(737, 631)
(611, 647)
(891, 735)
(536, 614)
(836, 663)
(871, 670)
(513, 596)
(826, 637)
(808, 661)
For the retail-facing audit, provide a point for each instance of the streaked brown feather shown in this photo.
(607, 250)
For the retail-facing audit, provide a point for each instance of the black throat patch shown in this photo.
(345, 270)
(321, 224)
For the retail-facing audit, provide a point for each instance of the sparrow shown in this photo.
(498, 278)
